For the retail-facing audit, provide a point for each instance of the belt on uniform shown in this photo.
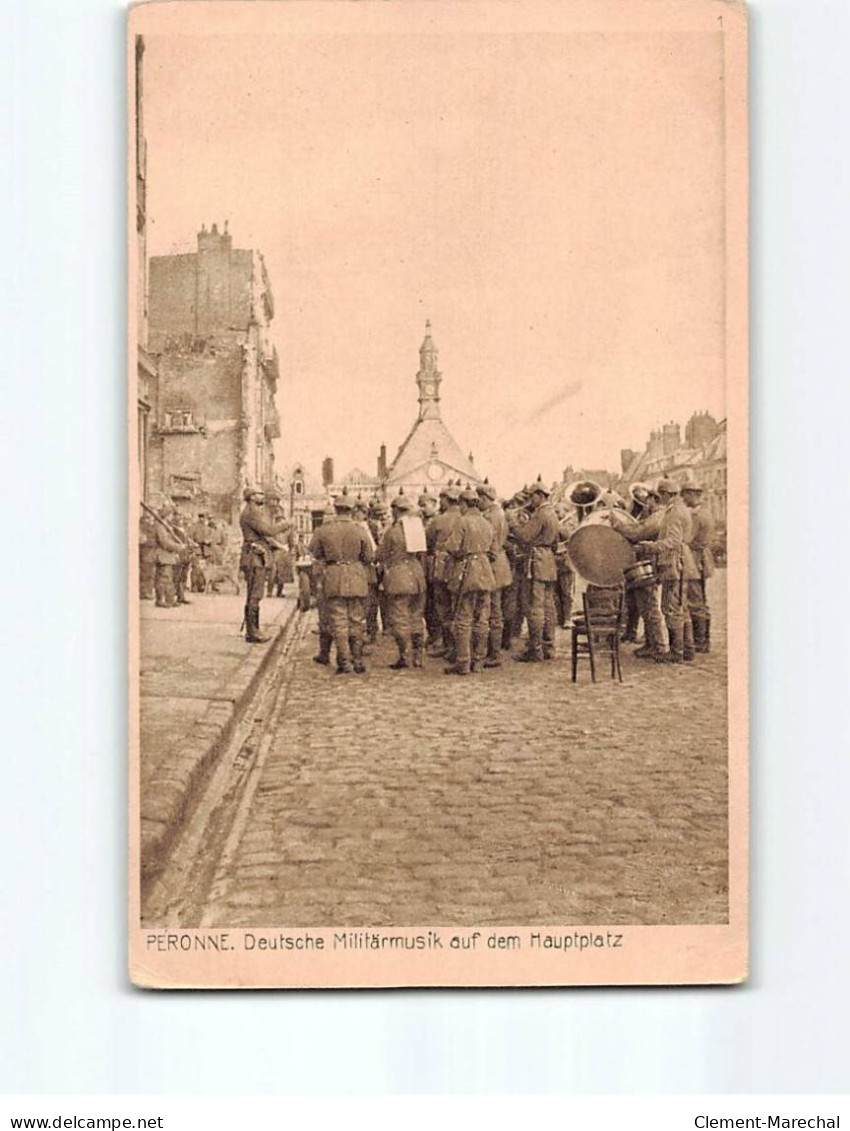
(344, 561)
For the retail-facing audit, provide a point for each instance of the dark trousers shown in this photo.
(255, 580)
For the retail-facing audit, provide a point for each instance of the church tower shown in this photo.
(428, 378)
(429, 456)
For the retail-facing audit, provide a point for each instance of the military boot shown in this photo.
(494, 647)
(417, 651)
(403, 660)
(253, 634)
(688, 641)
(324, 654)
(677, 643)
(533, 653)
(701, 634)
(357, 656)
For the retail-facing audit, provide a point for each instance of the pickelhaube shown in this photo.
(401, 502)
(249, 491)
(540, 486)
(451, 493)
(486, 490)
(469, 495)
(343, 502)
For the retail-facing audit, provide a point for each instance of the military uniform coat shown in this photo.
(502, 574)
(403, 573)
(344, 547)
(702, 538)
(256, 528)
(168, 549)
(437, 535)
(470, 545)
(541, 533)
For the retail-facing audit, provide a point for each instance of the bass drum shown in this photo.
(600, 554)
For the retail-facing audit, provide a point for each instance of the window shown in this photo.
(299, 487)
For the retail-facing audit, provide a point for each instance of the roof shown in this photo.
(427, 441)
(356, 476)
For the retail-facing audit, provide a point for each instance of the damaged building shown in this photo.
(209, 314)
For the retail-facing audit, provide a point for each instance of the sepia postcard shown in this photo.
(438, 572)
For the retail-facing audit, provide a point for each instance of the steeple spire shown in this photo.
(428, 378)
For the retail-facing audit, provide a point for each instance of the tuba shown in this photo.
(584, 493)
(640, 493)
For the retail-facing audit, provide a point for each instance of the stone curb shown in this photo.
(175, 782)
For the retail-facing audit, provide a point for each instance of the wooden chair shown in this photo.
(596, 631)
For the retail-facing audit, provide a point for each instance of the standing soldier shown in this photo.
(646, 596)
(565, 585)
(147, 556)
(439, 531)
(168, 550)
(404, 586)
(428, 509)
(257, 529)
(317, 581)
(470, 583)
(702, 537)
(376, 601)
(674, 566)
(502, 575)
(199, 533)
(540, 535)
(184, 562)
(345, 548)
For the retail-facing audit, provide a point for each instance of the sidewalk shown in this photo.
(197, 673)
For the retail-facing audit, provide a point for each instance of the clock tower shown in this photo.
(428, 378)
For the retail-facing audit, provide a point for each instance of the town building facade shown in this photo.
(209, 317)
(146, 370)
(701, 457)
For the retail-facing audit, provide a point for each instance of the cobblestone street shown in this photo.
(509, 797)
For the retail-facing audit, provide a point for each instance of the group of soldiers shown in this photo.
(457, 576)
(173, 554)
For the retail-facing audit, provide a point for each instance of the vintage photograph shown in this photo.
(438, 491)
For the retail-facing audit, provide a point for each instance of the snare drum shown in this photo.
(639, 576)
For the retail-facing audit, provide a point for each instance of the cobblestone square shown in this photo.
(511, 797)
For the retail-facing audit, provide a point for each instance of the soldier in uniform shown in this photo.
(376, 601)
(674, 566)
(440, 529)
(565, 585)
(646, 596)
(404, 586)
(168, 550)
(317, 584)
(702, 537)
(470, 585)
(257, 529)
(502, 575)
(428, 510)
(184, 561)
(540, 534)
(511, 616)
(199, 534)
(147, 556)
(345, 549)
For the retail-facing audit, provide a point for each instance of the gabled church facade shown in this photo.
(429, 456)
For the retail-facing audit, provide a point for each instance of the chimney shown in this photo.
(382, 462)
(327, 471)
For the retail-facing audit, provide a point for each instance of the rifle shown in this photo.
(161, 521)
(460, 589)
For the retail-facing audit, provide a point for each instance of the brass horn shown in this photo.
(640, 493)
(584, 493)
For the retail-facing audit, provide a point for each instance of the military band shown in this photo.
(454, 577)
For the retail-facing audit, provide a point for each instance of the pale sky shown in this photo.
(554, 204)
